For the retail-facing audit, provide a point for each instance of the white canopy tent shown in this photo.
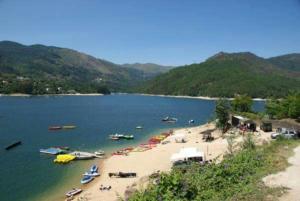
(189, 153)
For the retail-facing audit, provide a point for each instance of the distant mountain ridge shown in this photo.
(149, 69)
(227, 74)
(64, 66)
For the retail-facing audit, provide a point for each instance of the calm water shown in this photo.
(28, 175)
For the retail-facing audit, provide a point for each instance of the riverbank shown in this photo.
(156, 159)
(195, 97)
(28, 95)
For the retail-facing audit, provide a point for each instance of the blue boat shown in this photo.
(53, 151)
(86, 179)
(94, 168)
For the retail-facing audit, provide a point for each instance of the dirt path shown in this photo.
(289, 178)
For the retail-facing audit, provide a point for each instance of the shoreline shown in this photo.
(192, 97)
(140, 94)
(153, 160)
(30, 95)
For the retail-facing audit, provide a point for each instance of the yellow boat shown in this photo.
(69, 127)
(64, 158)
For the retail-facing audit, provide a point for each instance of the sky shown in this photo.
(168, 32)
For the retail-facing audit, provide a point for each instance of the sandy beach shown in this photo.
(157, 158)
(196, 97)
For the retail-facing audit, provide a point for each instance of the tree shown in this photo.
(242, 103)
(222, 113)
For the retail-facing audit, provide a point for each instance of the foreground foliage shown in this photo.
(237, 177)
(288, 107)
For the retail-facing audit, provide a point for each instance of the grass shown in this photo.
(237, 177)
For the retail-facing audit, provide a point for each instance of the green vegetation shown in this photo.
(242, 103)
(31, 69)
(288, 107)
(225, 75)
(237, 177)
(222, 113)
(150, 70)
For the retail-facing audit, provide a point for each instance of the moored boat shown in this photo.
(169, 119)
(139, 127)
(73, 192)
(64, 158)
(80, 155)
(53, 128)
(13, 145)
(68, 127)
(128, 137)
(52, 150)
(99, 153)
(91, 174)
(86, 179)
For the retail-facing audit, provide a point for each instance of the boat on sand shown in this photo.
(80, 155)
(73, 192)
(86, 179)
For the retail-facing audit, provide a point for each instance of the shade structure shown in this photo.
(186, 154)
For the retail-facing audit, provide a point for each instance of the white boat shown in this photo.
(80, 155)
(99, 153)
(139, 127)
(91, 174)
(73, 192)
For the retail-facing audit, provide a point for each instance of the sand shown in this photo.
(289, 178)
(158, 158)
(196, 97)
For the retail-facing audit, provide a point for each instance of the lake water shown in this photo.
(28, 175)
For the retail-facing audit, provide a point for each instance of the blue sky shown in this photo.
(170, 32)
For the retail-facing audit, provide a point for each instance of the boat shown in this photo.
(86, 179)
(68, 127)
(52, 150)
(94, 168)
(63, 148)
(99, 153)
(82, 155)
(91, 174)
(52, 128)
(64, 158)
(169, 119)
(139, 127)
(73, 192)
(13, 145)
(128, 137)
(116, 136)
(191, 121)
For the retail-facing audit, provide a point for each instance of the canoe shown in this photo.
(13, 145)
(80, 155)
(68, 127)
(91, 174)
(52, 128)
(94, 168)
(86, 179)
(73, 192)
(52, 150)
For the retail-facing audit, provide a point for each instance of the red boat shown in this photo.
(55, 128)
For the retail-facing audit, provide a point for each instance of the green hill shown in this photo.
(288, 61)
(224, 75)
(39, 67)
(150, 70)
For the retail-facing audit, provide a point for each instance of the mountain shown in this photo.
(289, 62)
(150, 70)
(226, 74)
(49, 67)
